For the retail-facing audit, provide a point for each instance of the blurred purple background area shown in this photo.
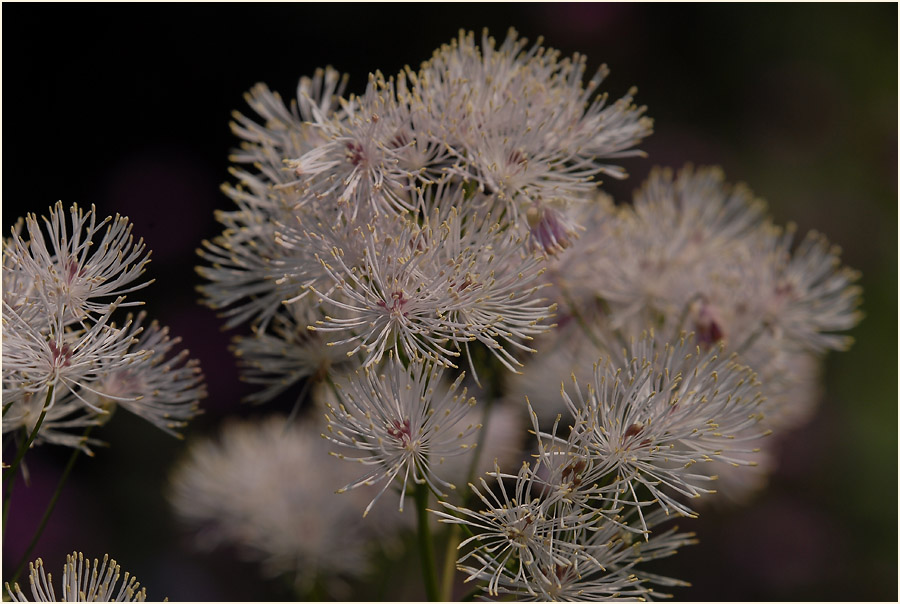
(127, 107)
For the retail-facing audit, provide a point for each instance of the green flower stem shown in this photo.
(26, 444)
(685, 310)
(453, 530)
(751, 339)
(426, 545)
(479, 446)
(7, 494)
(582, 322)
(450, 556)
(50, 507)
(11, 471)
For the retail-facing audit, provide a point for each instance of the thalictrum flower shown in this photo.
(401, 422)
(82, 582)
(429, 289)
(667, 408)
(289, 352)
(521, 123)
(75, 270)
(61, 345)
(162, 388)
(510, 534)
(268, 488)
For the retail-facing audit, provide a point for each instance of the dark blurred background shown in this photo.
(127, 107)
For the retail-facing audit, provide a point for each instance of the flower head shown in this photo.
(162, 388)
(82, 582)
(429, 289)
(286, 131)
(74, 270)
(809, 295)
(358, 161)
(537, 546)
(289, 352)
(521, 122)
(403, 422)
(64, 357)
(605, 564)
(511, 533)
(268, 487)
(666, 409)
(38, 357)
(251, 271)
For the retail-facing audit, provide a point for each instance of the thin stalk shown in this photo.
(582, 322)
(479, 446)
(685, 310)
(26, 444)
(449, 572)
(50, 506)
(307, 386)
(453, 530)
(426, 544)
(7, 493)
(751, 339)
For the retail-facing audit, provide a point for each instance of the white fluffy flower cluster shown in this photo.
(449, 213)
(694, 254)
(416, 216)
(625, 465)
(66, 364)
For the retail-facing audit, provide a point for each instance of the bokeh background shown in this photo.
(127, 107)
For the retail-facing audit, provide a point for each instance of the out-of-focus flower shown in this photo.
(268, 487)
(683, 237)
(82, 582)
(808, 295)
(565, 351)
(696, 254)
(791, 384)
